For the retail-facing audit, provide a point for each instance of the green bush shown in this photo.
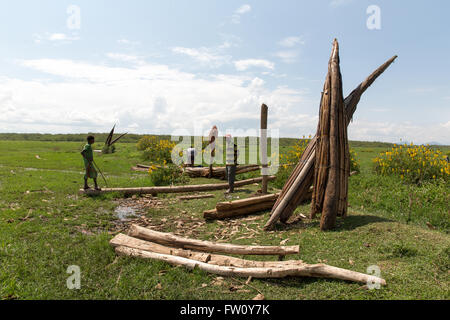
(168, 175)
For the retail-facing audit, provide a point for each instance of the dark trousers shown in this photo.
(231, 175)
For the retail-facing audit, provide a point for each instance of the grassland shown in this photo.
(46, 227)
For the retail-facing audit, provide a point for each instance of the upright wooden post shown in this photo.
(263, 148)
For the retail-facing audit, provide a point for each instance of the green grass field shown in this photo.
(45, 227)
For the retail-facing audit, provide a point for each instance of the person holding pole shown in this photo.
(213, 135)
(232, 154)
(88, 157)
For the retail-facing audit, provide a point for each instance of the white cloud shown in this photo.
(242, 65)
(391, 131)
(287, 56)
(243, 9)
(236, 18)
(55, 37)
(205, 55)
(290, 42)
(142, 98)
(125, 57)
(124, 41)
(339, 3)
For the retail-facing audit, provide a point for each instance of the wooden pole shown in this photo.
(263, 144)
(315, 270)
(208, 246)
(173, 189)
(351, 103)
(241, 211)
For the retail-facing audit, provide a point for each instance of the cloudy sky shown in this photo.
(158, 66)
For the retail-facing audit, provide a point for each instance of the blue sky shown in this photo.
(159, 66)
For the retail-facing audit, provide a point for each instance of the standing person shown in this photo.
(191, 153)
(88, 157)
(213, 135)
(231, 161)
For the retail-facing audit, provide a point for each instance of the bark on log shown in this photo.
(351, 103)
(263, 147)
(230, 205)
(173, 189)
(331, 175)
(242, 211)
(317, 270)
(208, 246)
(220, 260)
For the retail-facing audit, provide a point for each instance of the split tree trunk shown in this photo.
(331, 172)
(302, 167)
(208, 246)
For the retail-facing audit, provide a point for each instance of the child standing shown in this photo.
(88, 157)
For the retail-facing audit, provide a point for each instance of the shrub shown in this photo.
(108, 149)
(413, 163)
(167, 175)
(156, 150)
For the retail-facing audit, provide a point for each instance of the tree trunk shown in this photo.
(207, 246)
(263, 147)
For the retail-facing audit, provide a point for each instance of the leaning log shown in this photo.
(169, 239)
(304, 166)
(316, 270)
(173, 189)
(216, 259)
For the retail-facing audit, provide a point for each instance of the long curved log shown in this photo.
(173, 189)
(303, 167)
(315, 270)
(172, 240)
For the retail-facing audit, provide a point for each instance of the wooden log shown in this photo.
(217, 172)
(229, 205)
(172, 189)
(317, 270)
(289, 195)
(237, 212)
(330, 149)
(263, 147)
(351, 103)
(194, 197)
(220, 260)
(208, 246)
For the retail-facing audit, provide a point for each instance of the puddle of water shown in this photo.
(124, 213)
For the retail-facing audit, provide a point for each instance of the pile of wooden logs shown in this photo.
(190, 253)
(173, 189)
(295, 189)
(332, 165)
(242, 207)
